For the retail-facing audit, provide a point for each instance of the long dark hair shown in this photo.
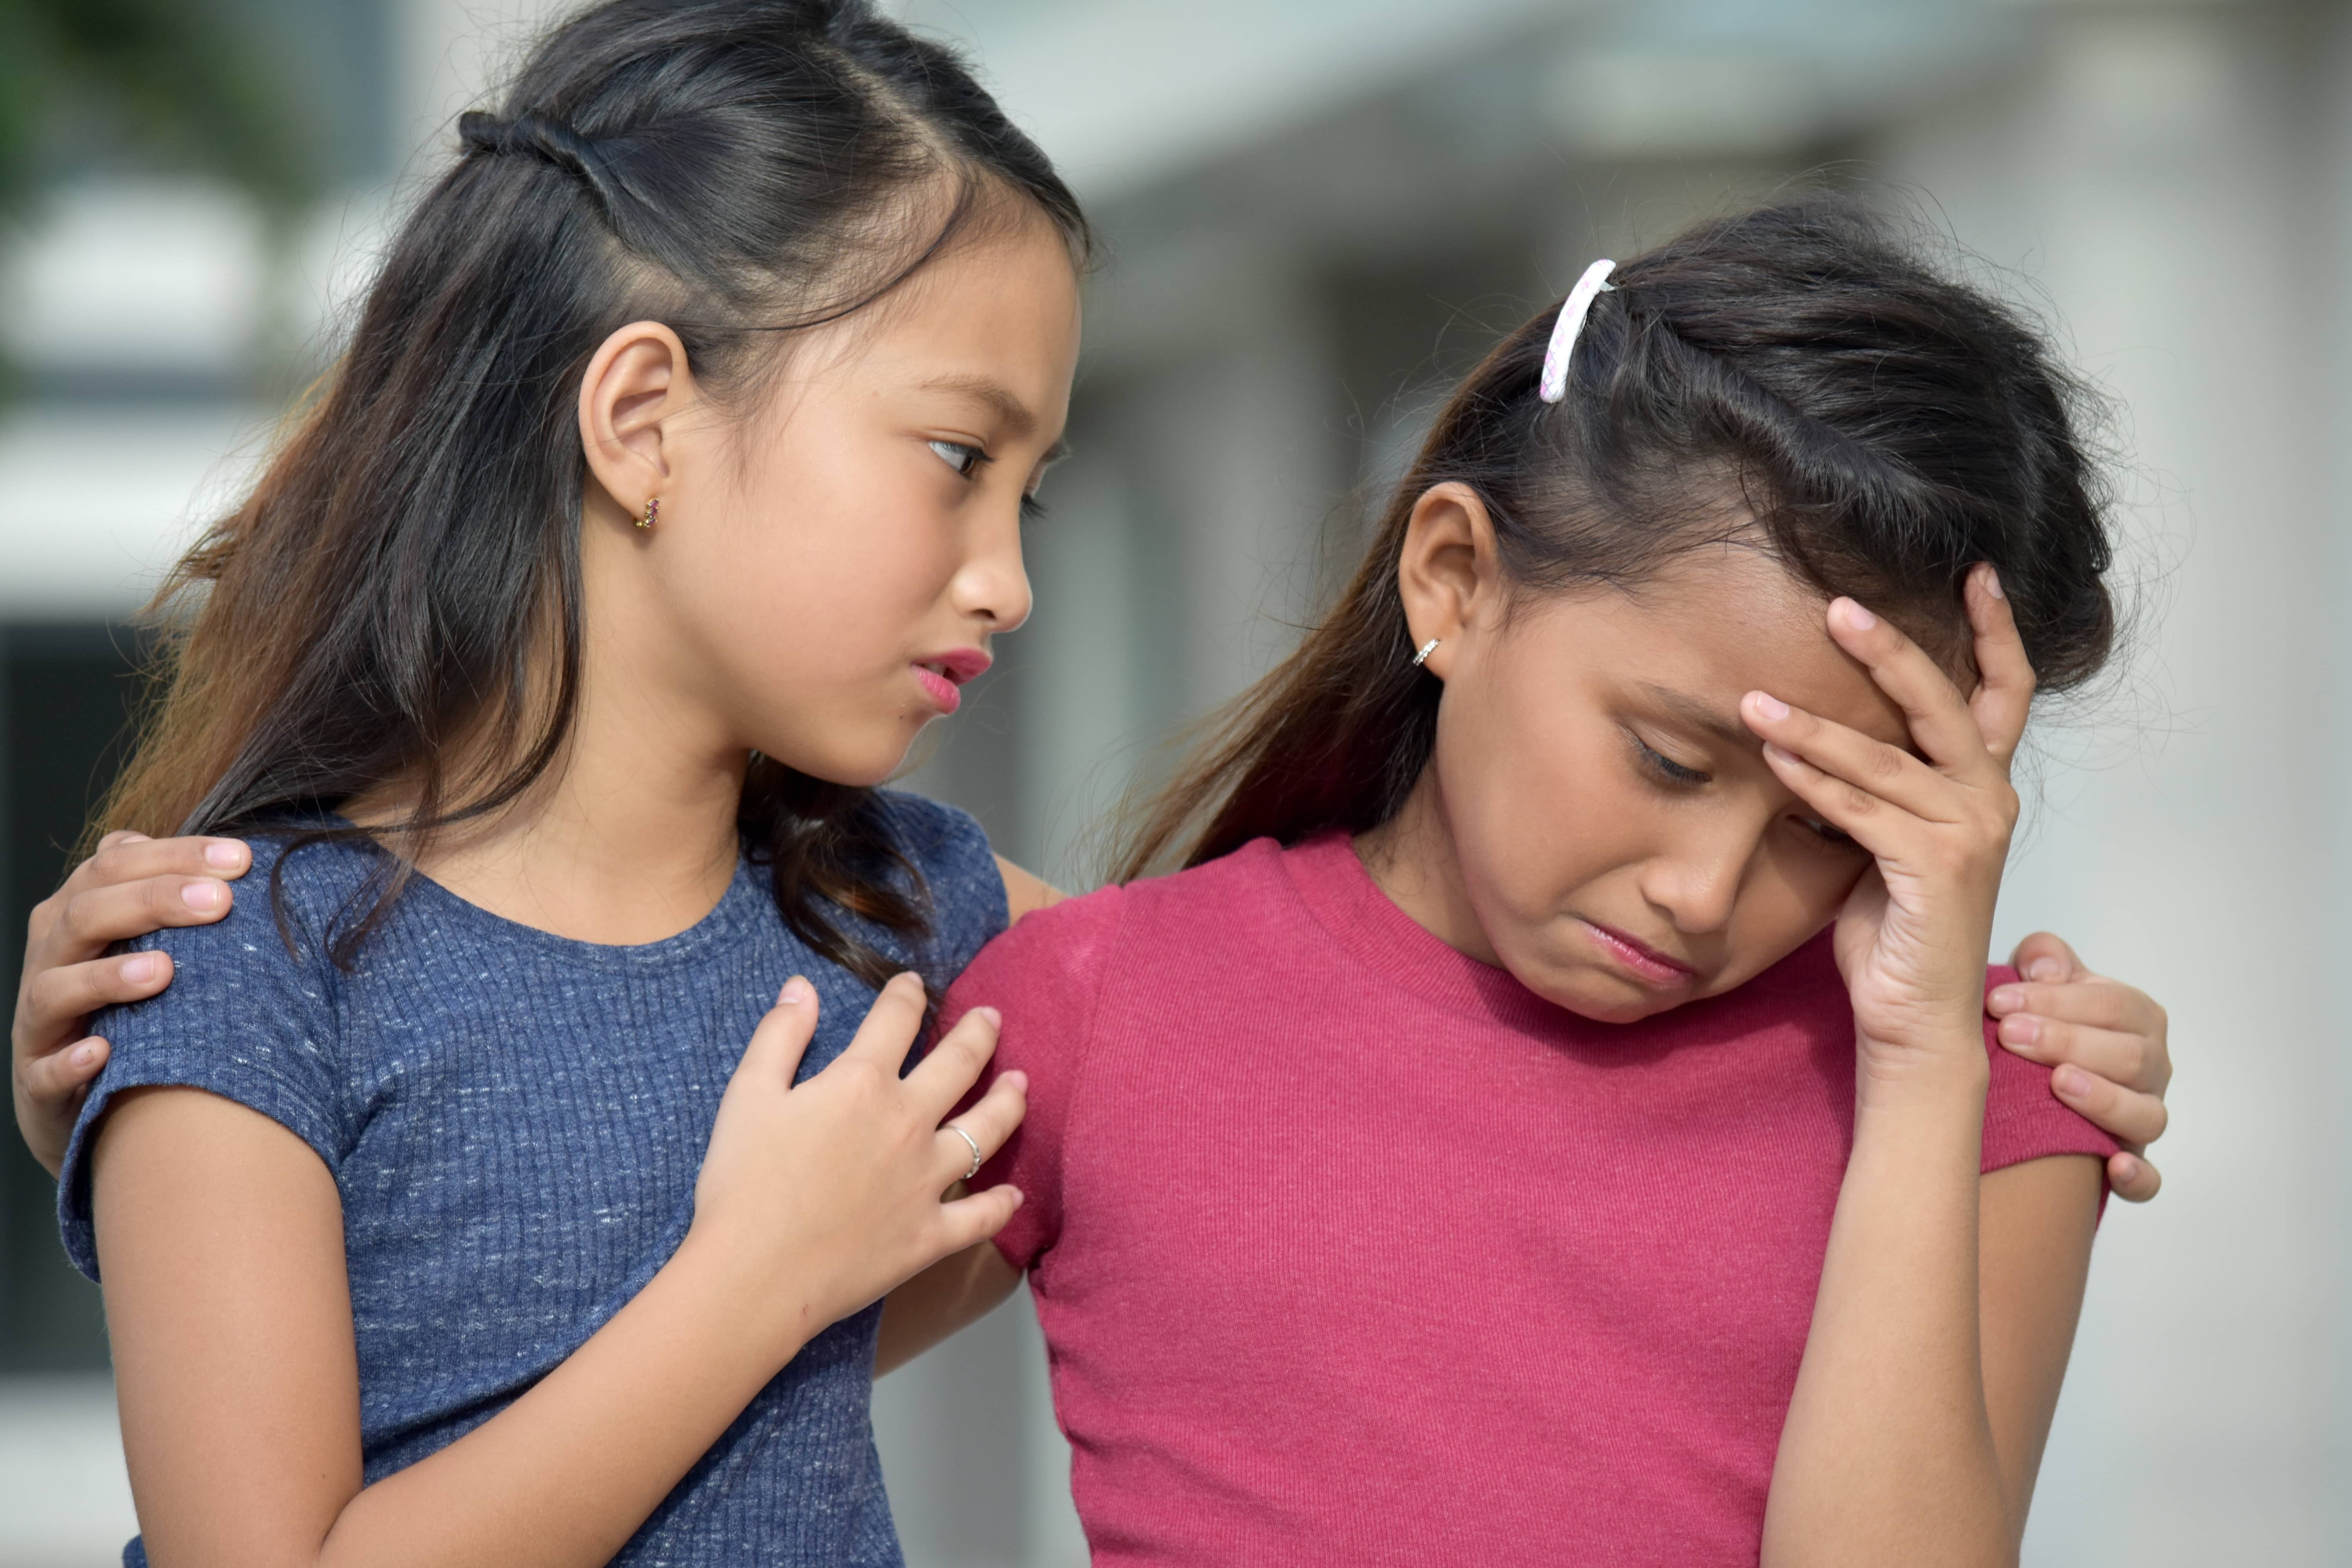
(406, 574)
(1798, 374)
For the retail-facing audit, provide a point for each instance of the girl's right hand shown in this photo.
(132, 886)
(821, 1197)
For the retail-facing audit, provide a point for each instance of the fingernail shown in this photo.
(226, 856)
(86, 1053)
(141, 968)
(2005, 999)
(202, 897)
(994, 1019)
(2126, 1169)
(2071, 1080)
(797, 992)
(1778, 753)
(1016, 1078)
(2020, 1030)
(1769, 706)
(1992, 584)
(2044, 969)
(1018, 1198)
(1858, 617)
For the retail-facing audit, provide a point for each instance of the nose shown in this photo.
(1696, 881)
(993, 584)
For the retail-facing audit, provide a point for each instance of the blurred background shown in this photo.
(1319, 212)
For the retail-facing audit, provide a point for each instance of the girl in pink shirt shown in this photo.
(1553, 1116)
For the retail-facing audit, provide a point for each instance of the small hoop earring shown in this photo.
(1426, 649)
(653, 514)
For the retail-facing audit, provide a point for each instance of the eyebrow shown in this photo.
(1700, 715)
(1009, 408)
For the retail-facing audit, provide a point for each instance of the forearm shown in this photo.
(945, 1299)
(566, 1474)
(1888, 1454)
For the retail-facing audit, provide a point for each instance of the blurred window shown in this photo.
(65, 700)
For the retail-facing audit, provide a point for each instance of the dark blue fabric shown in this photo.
(515, 1122)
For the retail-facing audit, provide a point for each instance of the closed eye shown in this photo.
(1665, 768)
(1836, 837)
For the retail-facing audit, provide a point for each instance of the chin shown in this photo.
(1605, 999)
(860, 767)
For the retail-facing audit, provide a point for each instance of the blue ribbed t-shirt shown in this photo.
(515, 1122)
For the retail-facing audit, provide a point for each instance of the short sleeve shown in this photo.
(2024, 1119)
(1044, 976)
(244, 1018)
(961, 884)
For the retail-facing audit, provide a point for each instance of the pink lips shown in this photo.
(941, 674)
(1646, 962)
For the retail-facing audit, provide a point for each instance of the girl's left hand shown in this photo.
(1912, 939)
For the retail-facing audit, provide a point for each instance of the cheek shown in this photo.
(818, 579)
(1538, 799)
(1791, 894)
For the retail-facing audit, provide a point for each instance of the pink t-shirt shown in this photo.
(1350, 1249)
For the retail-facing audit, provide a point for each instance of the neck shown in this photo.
(629, 841)
(1411, 858)
(631, 836)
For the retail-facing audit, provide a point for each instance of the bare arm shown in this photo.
(2034, 1223)
(1947, 1310)
(1935, 1355)
(942, 1300)
(220, 1240)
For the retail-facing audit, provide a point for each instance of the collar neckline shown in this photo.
(1346, 902)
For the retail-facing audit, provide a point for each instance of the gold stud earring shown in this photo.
(653, 514)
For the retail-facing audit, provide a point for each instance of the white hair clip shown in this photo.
(1564, 333)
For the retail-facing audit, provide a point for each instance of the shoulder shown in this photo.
(1059, 952)
(1146, 934)
(284, 914)
(249, 1015)
(2024, 1118)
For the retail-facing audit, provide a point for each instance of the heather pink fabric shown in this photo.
(1350, 1250)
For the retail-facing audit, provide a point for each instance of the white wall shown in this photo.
(2152, 169)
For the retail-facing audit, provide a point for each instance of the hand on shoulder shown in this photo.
(132, 886)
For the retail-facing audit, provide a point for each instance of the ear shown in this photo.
(636, 388)
(1450, 571)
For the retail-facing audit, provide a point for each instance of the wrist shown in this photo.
(1943, 1071)
(727, 1281)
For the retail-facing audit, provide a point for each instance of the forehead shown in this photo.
(999, 305)
(1715, 624)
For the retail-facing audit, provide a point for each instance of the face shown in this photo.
(829, 568)
(1596, 818)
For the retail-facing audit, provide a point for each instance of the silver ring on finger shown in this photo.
(973, 1142)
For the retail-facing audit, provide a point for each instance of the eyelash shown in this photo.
(1673, 773)
(1668, 770)
(1835, 837)
(973, 458)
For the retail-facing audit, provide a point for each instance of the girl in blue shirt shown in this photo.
(671, 483)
